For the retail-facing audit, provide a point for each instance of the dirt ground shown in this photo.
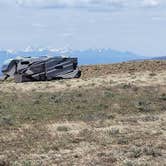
(114, 115)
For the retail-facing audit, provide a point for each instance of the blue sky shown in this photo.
(138, 26)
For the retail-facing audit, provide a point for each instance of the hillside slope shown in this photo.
(113, 115)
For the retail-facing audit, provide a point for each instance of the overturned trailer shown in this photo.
(41, 69)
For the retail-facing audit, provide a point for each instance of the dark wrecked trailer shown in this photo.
(41, 69)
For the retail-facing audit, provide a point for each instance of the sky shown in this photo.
(138, 26)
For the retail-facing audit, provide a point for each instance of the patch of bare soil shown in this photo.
(126, 67)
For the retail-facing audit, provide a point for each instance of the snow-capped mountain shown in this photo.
(89, 56)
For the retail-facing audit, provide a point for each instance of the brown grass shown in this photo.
(116, 119)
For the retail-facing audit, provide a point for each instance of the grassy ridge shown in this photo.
(112, 120)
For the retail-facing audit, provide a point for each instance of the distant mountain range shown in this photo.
(90, 56)
(159, 58)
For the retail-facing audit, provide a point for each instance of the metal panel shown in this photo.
(44, 68)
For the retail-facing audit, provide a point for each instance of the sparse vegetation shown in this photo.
(143, 106)
(63, 128)
(104, 124)
(152, 74)
(163, 96)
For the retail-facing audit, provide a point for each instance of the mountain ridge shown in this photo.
(88, 56)
(85, 57)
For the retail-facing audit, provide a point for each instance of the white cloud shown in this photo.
(152, 3)
(38, 25)
(68, 3)
(84, 3)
